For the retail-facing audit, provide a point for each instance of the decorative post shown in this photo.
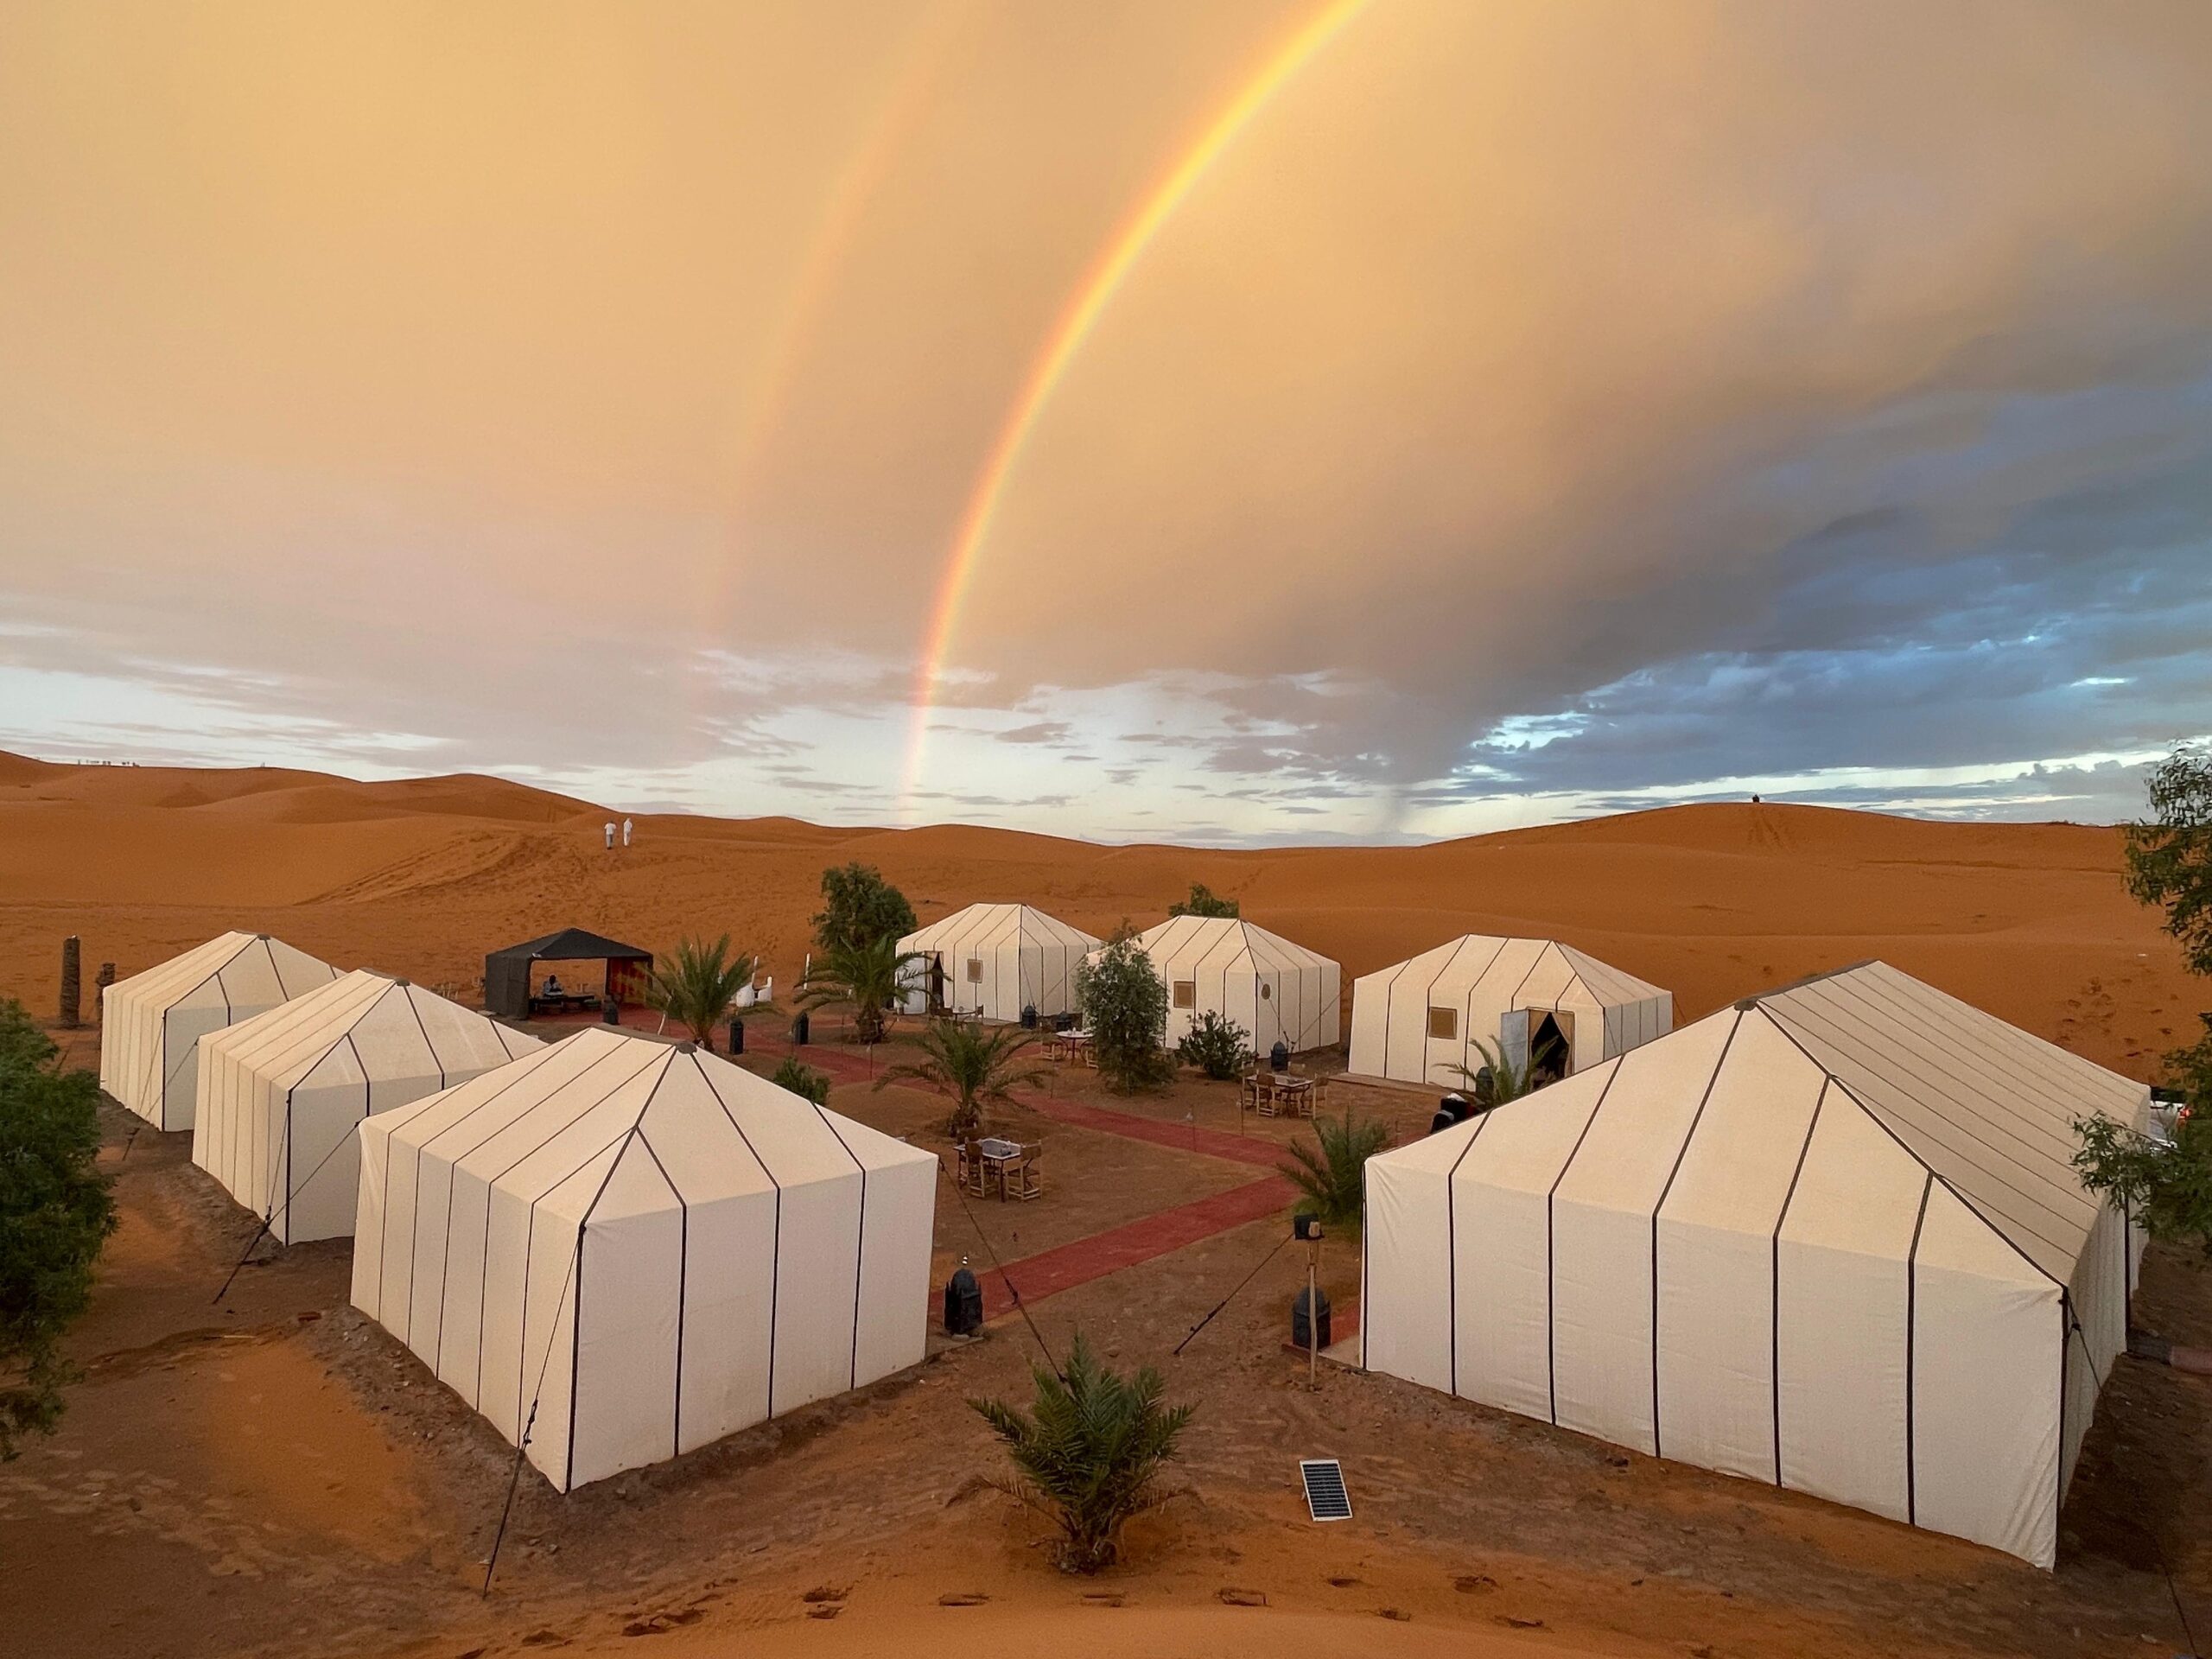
(71, 968)
(99, 991)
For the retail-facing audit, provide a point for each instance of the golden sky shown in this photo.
(1534, 404)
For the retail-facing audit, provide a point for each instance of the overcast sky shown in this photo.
(1531, 411)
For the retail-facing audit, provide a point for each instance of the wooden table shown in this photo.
(1281, 1094)
(997, 1152)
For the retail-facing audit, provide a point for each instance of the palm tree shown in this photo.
(867, 976)
(976, 1067)
(1507, 1081)
(1330, 1169)
(699, 988)
(1089, 1451)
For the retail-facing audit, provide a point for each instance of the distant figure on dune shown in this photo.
(625, 832)
(610, 835)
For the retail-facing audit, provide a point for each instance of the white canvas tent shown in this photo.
(1274, 988)
(280, 1094)
(1829, 1238)
(1416, 1021)
(151, 1023)
(999, 959)
(618, 1250)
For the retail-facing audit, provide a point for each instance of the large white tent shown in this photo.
(1274, 989)
(618, 1250)
(997, 959)
(280, 1094)
(1829, 1238)
(1420, 1020)
(151, 1023)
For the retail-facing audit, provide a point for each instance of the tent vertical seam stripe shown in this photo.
(682, 1282)
(576, 1316)
(860, 1247)
(776, 1241)
(1774, 1272)
(1911, 1334)
(1450, 1247)
(1680, 1153)
(1551, 1196)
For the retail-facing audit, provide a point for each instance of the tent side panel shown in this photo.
(538, 1417)
(1987, 1361)
(369, 1220)
(458, 1344)
(2098, 1295)
(631, 1278)
(1406, 1320)
(729, 1303)
(893, 1330)
(816, 1259)
(1501, 1237)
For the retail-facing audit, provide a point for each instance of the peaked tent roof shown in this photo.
(169, 981)
(1986, 1107)
(1509, 966)
(1224, 938)
(574, 945)
(998, 924)
(438, 1038)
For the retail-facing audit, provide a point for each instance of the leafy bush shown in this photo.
(1329, 1170)
(55, 1213)
(698, 989)
(1125, 1008)
(1219, 1047)
(859, 908)
(2167, 1188)
(803, 1080)
(1204, 901)
(1507, 1080)
(1089, 1453)
(975, 1066)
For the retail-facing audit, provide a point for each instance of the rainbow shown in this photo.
(1089, 303)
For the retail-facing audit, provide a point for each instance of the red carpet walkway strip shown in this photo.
(1065, 1267)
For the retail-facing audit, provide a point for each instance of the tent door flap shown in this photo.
(1513, 1038)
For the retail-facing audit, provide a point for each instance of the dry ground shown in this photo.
(274, 1475)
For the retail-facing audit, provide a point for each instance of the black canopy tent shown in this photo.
(507, 973)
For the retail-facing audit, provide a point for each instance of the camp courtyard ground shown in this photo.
(273, 1474)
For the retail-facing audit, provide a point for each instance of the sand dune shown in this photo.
(422, 876)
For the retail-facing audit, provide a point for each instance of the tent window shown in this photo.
(1443, 1025)
(974, 970)
(1186, 993)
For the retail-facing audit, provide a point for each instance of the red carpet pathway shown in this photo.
(1064, 1267)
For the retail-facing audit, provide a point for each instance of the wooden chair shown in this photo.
(1023, 1178)
(974, 1173)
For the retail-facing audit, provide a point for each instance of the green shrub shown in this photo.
(1330, 1169)
(1089, 1453)
(55, 1213)
(1204, 901)
(803, 1080)
(1219, 1047)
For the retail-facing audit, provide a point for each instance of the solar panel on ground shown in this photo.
(1325, 1497)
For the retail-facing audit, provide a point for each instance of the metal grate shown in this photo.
(1325, 1497)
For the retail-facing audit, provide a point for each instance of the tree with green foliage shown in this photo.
(803, 1080)
(976, 1067)
(1330, 1169)
(1205, 901)
(860, 907)
(2167, 1184)
(865, 976)
(698, 989)
(55, 1213)
(1124, 1006)
(1219, 1047)
(1089, 1453)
